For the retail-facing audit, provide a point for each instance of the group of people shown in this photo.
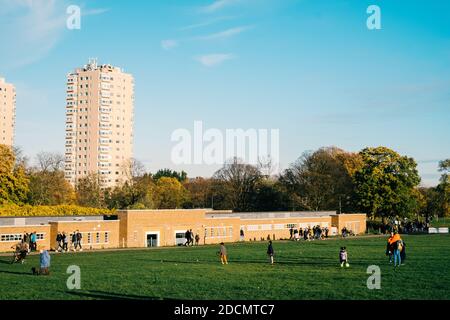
(31, 240)
(27, 244)
(62, 239)
(396, 249)
(316, 232)
(191, 237)
(406, 226)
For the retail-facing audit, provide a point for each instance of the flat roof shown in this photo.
(271, 215)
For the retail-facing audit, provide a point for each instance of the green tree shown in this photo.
(180, 176)
(443, 189)
(137, 193)
(385, 184)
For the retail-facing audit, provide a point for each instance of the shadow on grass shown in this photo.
(94, 294)
(18, 273)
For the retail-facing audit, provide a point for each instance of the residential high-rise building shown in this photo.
(99, 123)
(7, 112)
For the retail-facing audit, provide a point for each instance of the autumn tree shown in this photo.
(90, 192)
(321, 180)
(200, 191)
(48, 185)
(13, 178)
(235, 185)
(170, 193)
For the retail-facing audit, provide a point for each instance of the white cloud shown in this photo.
(217, 5)
(32, 28)
(169, 44)
(224, 34)
(206, 23)
(211, 60)
(94, 12)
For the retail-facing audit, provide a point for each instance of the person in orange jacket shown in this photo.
(391, 244)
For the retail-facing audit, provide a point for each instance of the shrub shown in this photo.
(9, 210)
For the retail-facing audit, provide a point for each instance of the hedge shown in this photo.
(12, 210)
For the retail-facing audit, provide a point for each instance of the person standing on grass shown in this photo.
(270, 252)
(398, 248)
(33, 241)
(403, 253)
(197, 239)
(391, 244)
(223, 254)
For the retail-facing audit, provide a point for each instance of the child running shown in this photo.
(343, 257)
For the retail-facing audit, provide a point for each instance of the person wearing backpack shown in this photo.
(398, 246)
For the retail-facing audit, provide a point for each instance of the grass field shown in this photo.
(302, 271)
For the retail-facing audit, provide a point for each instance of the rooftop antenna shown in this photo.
(92, 64)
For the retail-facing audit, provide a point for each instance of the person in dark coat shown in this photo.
(270, 252)
(403, 253)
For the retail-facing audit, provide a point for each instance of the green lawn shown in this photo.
(302, 271)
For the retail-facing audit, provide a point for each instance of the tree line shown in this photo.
(377, 181)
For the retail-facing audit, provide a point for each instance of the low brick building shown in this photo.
(149, 228)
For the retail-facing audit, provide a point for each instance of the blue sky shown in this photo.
(310, 68)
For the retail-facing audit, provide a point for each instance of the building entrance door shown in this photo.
(152, 240)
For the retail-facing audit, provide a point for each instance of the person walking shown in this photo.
(187, 236)
(223, 254)
(270, 252)
(59, 242)
(191, 233)
(79, 237)
(65, 241)
(74, 241)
